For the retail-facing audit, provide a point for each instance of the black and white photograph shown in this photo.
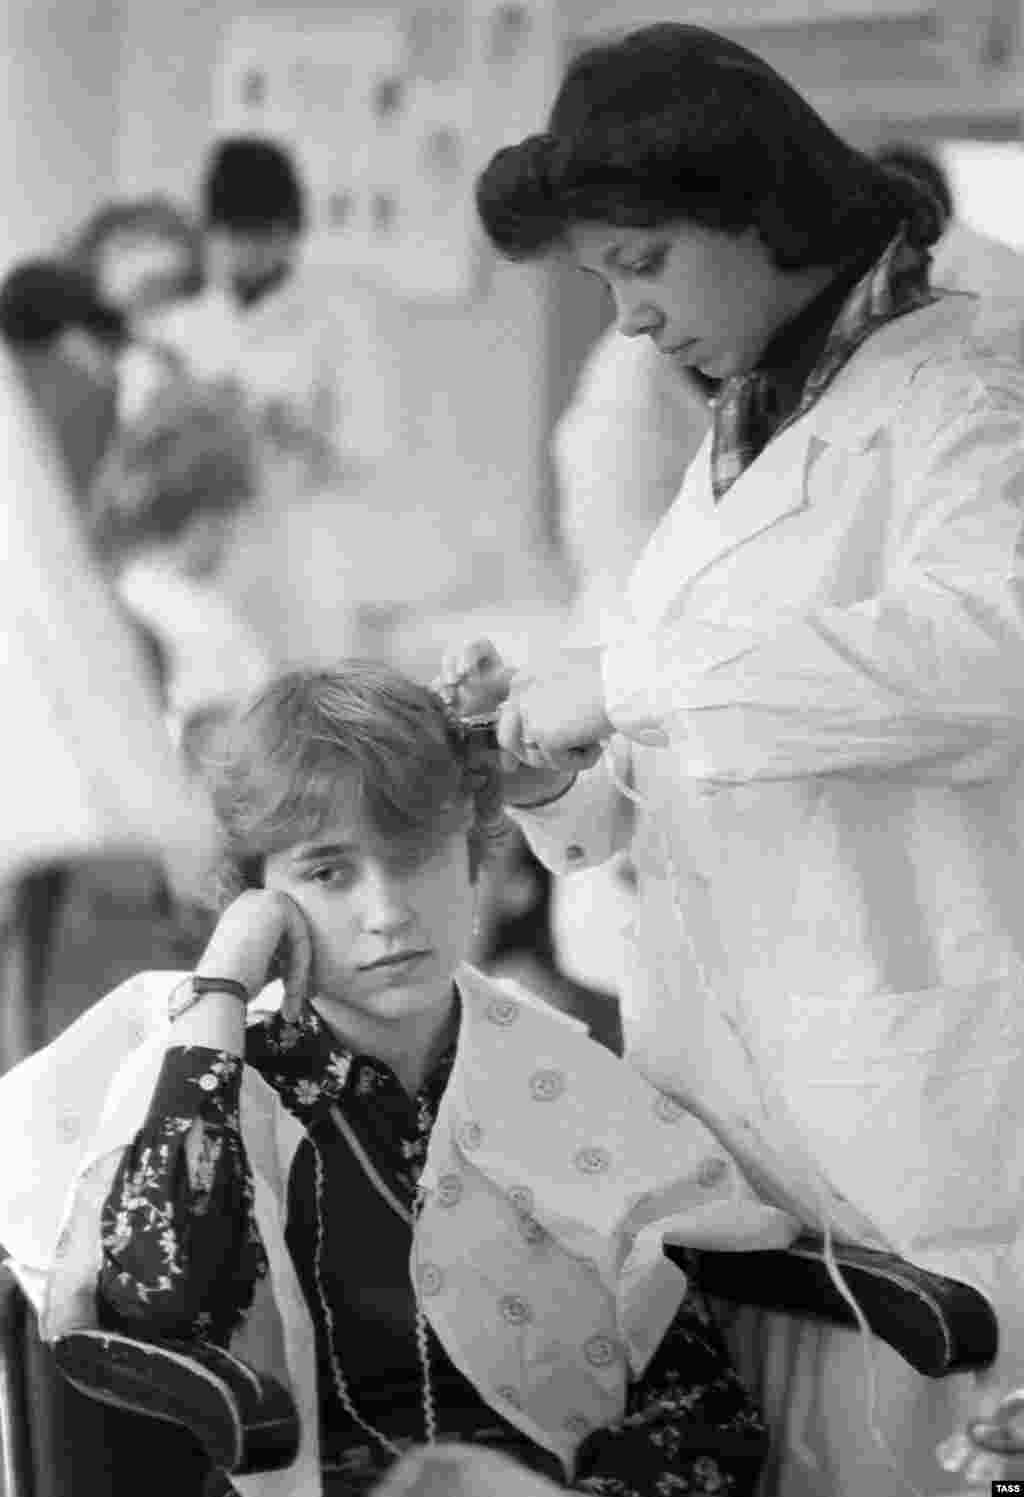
(512, 748)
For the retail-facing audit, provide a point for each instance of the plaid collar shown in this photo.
(751, 409)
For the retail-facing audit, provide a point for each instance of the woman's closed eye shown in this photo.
(648, 265)
(333, 875)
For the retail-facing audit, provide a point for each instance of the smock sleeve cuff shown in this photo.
(578, 830)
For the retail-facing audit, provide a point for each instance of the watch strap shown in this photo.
(203, 985)
(190, 991)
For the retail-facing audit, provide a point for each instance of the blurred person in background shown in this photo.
(142, 257)
(163, 508)
(256, 320)
(66, 342)
(87, 766)
(965, 259)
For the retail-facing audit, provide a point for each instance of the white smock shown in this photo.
(820, 695)
(620, 450)
(966, 260)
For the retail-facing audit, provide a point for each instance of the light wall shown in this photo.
(58, 64)
(470, 491)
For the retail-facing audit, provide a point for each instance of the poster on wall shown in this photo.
(389, 117)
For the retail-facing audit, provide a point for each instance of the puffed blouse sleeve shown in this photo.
(181, 1249)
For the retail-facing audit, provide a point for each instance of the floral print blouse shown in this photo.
(181, 1249)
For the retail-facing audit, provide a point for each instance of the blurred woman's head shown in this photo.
(678, 161)
(142, 255)
(65, 340)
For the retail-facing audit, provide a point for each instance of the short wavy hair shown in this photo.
(359, 734)
(674, 123)
(192, 451)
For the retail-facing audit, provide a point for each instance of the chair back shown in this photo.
(55, 1442)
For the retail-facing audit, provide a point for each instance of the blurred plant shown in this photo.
(290, 431)
(190, 454)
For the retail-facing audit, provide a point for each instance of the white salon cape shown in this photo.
(820, 695)
(86, 764)
(554, 1174)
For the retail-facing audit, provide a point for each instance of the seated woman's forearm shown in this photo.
(181, 1253)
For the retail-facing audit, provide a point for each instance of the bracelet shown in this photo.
(532, 805)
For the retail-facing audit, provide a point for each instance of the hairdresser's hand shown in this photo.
(475, 680)
(261, 935)
(557, 719)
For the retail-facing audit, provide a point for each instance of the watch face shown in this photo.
(182, 997)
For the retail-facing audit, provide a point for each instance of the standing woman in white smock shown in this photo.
(819, 698)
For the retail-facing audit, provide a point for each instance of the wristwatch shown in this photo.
(188, 993)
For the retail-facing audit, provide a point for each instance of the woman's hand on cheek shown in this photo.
(257, 927)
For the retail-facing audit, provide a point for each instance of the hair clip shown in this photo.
(478, 729)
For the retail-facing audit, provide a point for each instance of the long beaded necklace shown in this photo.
(411, 1218)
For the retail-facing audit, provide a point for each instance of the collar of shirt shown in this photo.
(806, 354)
(312, 1071)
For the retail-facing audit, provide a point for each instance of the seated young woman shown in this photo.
(441, 1202)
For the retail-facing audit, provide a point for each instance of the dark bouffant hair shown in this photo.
(674, 123)
(915, 162)
(252, 185)
(361, 735)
